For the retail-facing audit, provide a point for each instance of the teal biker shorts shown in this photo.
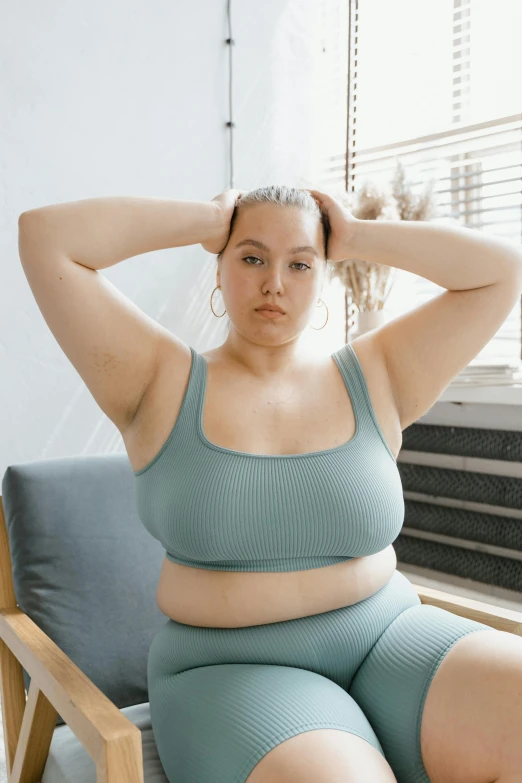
(222, 698)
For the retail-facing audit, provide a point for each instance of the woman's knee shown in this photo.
(323, 756)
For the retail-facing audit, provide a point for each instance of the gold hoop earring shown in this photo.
(211, 295)
(318, 329)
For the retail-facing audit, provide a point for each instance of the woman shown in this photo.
(293, 649)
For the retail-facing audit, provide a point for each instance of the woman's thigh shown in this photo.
(392, 682)
(215, 723)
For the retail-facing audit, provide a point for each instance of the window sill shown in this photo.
(505, 394)
(490, 407)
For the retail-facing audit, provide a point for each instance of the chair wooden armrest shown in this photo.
(58, 686)
(497, 617)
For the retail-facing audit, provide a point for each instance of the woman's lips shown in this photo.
(270, 313)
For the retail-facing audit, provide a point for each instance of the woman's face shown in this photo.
(272, 271)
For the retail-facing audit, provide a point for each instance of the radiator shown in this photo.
(463, 502)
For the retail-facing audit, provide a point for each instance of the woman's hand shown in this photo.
(342, 223)
(225, 203)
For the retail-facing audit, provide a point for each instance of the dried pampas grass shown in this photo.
(368, 284)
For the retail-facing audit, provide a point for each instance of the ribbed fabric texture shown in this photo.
(227, 510)
(239, 692)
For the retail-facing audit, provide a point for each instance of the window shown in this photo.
(436, 85)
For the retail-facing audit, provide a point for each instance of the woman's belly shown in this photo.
(235, 599)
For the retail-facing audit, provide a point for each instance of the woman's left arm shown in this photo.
(453, 257)
(423, 350)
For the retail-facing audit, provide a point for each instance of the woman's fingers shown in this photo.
(322, 199)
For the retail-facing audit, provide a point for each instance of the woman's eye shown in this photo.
(299, 263)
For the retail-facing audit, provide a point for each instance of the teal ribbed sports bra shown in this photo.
(226, 510)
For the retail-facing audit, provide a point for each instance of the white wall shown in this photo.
(131, 98)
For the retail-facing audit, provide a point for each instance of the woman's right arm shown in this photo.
(114, 346)
(100, 232)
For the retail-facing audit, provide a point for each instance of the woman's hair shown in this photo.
(283, 196)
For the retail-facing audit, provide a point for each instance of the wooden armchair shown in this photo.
(59, 687)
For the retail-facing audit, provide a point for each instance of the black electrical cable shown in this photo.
(230, 123)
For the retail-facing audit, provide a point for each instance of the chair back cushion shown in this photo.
(85, 569)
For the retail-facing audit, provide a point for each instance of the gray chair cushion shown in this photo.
(85, 569)
(69, 762)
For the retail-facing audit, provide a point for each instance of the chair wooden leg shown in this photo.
(13, 701)
(36, 733)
